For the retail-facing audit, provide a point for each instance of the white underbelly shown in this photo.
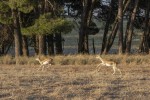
(105, 64)
(108, 65)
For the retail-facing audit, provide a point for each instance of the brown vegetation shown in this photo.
(75, 78)
(79, 59)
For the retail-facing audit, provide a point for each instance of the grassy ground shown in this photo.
(76, 82)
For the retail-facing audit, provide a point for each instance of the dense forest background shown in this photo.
(38, 26)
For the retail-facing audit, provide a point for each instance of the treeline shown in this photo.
(41, 23)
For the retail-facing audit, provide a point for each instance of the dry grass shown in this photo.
(64, 81)
(78, 59)
(74, 82)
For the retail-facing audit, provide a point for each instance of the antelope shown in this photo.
(46, 62)
(109, 64)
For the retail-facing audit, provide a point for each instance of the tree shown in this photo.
(18, 6)
(144, 47)
(88, 6)
(17, 33)
(115, 27)
(6, 39)
(5, 27)
(11, 16)
(58, 43)
(107, 25)
(46, 25)
(130, 29)
(120, 23)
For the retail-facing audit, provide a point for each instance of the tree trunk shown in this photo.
(58, 43)
(2, 49)
(85, 22)
(130, 31)
(83, 41)
(25, 46)
(120, 22)
(148, 34)
(144, 48)
(107, 27)
(24, 38)
(50, 42)
(17, 33)
(36, 44)
(126, 34)
(42, 45)
(112, 36)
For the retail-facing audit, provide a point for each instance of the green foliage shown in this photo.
(22, 5)
(4, 7)
(5, 19)
(46, 24)
(63, 26)
(5, 13)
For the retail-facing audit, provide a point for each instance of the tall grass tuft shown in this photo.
(7, 60)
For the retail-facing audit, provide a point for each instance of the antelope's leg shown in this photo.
(119, 71)
(48, 65)
(43, 68)
(99, 67)
(114, 68)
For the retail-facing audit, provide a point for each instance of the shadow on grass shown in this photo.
(113, 91)
(39, 97)
(4, 95)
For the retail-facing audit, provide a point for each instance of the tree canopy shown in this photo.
(46, 24)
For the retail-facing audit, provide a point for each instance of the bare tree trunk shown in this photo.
(126, 34)
(36, 44)
(2, 49)
(114, 30)
(85, 22)
(107, 27)
(83, 28)
(130, 31)
(17, 33)
(111, 38)
(58, 43)
(50, 43)
(25, 49)
(144, 48)
(120, 22)
(148, 34)
(42, 45)
(25, 46)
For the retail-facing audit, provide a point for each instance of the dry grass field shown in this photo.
(76, 82)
